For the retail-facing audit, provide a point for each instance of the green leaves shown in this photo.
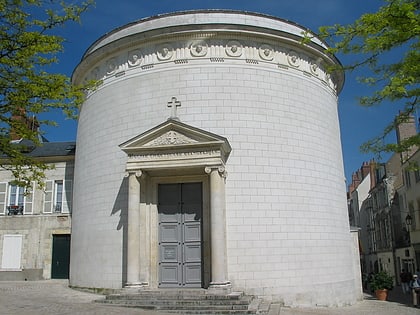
(28, 46)
(386, 48)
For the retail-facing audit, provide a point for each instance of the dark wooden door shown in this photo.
(180, 240)
(60, 257)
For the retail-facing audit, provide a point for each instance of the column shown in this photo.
(133, 233)
(219, 277)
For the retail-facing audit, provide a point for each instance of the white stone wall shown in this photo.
(288, 233)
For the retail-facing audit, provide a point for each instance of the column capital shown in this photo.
(219, 168)
(137, 173)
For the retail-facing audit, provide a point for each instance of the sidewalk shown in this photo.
(397, 304)
(54, 297)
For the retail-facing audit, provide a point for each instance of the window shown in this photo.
(407, 179)
(412, 214)
(417, 175)
(15, 199)
(3, 197)
(58, 198)
(16, 195)
(58, 195)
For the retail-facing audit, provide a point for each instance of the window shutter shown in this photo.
(48, 196)
(3, 197)
(67, 196)
(29, 200)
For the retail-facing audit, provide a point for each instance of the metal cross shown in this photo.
(173, 104)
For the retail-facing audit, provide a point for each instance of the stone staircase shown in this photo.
(189, 302)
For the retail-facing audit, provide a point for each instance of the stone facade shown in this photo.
(40, 221)
(256, 125)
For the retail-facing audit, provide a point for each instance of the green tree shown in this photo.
(28, 49)
(386, 48)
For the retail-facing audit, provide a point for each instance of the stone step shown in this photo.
(179, 306)
(181, 303)
(186, 301)
(204, 298)
(180, 292)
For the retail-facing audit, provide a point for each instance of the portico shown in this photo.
(169, 245)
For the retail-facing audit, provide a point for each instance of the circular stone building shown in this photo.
(209, 157)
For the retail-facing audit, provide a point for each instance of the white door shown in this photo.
(12, 252)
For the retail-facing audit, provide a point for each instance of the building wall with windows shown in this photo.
(30, 219)
(412, 202)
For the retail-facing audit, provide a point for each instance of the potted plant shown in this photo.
(380, 283)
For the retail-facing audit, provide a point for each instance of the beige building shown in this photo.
(410, 198)
(35, 224)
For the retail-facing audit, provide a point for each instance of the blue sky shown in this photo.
(358, 124)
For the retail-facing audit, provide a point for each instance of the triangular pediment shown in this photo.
(174, 137)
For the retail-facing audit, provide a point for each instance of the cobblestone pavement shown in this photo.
(55, 297)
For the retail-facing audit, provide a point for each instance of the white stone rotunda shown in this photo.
(210, 157)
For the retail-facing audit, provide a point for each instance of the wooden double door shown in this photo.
(180, 208)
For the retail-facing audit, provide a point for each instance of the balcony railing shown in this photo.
(14, 210)
(57, 208)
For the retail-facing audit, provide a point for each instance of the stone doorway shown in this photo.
(183, 158)
(180, 208)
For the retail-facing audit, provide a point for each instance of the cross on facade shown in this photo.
(173, 104)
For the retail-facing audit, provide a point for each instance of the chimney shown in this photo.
(406, 128)
(365, 169)
(20, 118)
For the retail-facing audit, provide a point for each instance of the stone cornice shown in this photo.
(184, 45)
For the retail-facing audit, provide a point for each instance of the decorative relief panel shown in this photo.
(293, 58)
(95, 74)
(266, 52)
(170, 138)
(134, 58)
(165, 52)
(111, 66)
(315, 66)
(198, 49)
(234, 48)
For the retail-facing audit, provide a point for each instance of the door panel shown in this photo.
(180, 219)
(60, 257)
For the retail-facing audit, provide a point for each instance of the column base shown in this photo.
(220, 287)
(137, 285)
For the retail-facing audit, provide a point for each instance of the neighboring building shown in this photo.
(359, 191)
(382, 194)
(390, 219)
(35, 223)
(241, 189)
(360, 210)
(410, 200)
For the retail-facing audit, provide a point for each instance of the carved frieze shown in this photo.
(213, 50)
(170, 138)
